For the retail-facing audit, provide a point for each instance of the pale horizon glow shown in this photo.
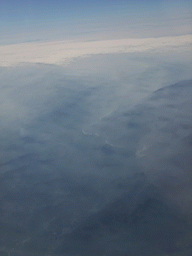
(62, 52)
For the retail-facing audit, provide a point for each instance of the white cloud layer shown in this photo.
(61, 52)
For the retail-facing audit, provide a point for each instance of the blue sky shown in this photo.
(47, 20)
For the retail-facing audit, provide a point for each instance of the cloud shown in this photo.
(70, 137)
(61, 52)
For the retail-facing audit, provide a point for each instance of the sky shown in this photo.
(23, 21)
(55, 32)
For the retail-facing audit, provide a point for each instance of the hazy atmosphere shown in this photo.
(96, 128)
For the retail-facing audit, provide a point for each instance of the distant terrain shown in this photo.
(120, 186)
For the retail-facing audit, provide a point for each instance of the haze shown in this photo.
(96, 128)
